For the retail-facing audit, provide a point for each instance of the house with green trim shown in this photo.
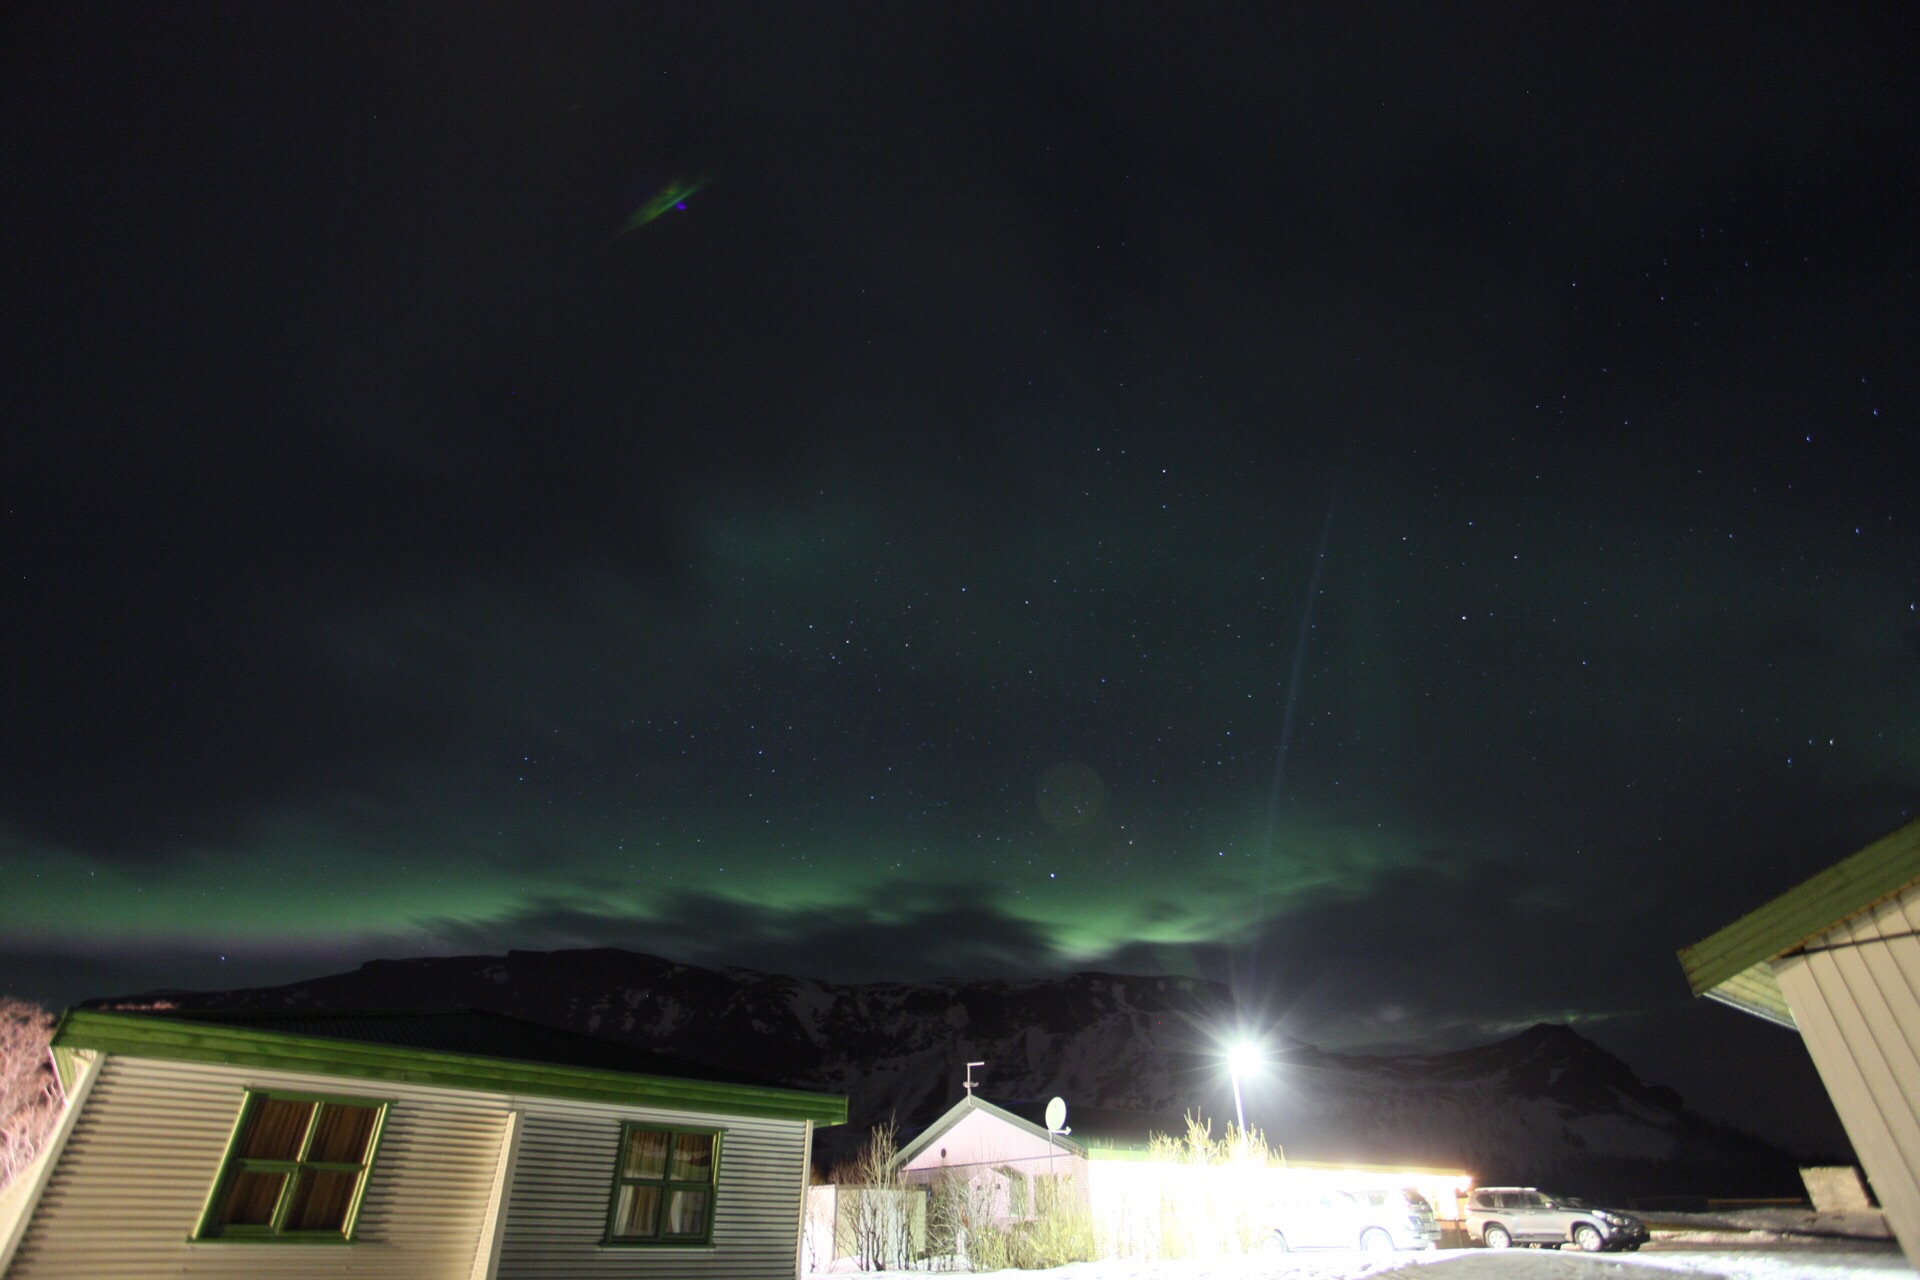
(1838, 959)
(454, 1144)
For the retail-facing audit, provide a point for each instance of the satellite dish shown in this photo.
(1056, 1115)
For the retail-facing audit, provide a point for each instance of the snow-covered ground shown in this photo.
(1746, 1244)
(1881, 1262)
(1756, 1226)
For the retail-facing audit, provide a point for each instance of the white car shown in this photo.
(1340, 1218)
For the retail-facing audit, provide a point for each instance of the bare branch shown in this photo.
(29, 1092)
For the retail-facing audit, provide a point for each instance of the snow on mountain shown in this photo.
(1545, 1107)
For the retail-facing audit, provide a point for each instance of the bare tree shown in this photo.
(29, 1093)
(882, 1215)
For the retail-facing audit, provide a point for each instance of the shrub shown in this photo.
(1056, 1227)
(1209, 1204)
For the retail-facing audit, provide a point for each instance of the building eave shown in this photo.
(1733, 965)
(1756, 991)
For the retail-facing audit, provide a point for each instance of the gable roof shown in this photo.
(1106, 1134)
(970, 1105)
(1734, 966)
(459, 1049)
(1098, 1126)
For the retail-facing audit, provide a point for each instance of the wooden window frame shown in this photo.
(232, 1164)
(711, 1186)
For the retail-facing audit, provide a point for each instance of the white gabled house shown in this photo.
(461, 1145)
(1016, 1170)
(1017, 1167)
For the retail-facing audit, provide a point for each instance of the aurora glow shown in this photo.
(670, 197)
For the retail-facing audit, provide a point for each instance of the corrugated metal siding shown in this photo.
(133, 1179)
(1855, 993)
(564, 1175)
(83, 1069)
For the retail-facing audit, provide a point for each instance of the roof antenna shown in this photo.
(969, 1080)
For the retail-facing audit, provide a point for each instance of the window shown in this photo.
(295, 1168)
(663, 1186)
(1018, 1205)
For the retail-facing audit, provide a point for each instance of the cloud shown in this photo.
(906, 931)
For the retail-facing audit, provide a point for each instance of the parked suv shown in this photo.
(1339, 1218)
(1500, 1217)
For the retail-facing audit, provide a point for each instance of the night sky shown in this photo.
(1409, 512)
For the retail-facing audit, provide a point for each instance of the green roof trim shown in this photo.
(1734, 965)
(150, 1037)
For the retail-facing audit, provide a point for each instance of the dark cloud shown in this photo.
(901, 931)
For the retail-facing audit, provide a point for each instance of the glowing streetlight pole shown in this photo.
(1243, 1059)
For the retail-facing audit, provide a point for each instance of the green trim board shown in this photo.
(172, 1038)
(67, 1064)
(296, 1167)
(1732, 964)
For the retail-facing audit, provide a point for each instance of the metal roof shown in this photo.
(1735, 965)
(457, 1049)
(474, 1032)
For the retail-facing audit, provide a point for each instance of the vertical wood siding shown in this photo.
(129, 1188)
(564, 1176)
(1855, 991)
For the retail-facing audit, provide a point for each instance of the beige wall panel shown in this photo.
(1856, 995)
(130, 1186)
(1894, 966)
(563, 1180)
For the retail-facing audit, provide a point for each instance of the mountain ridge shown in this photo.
(1546, 1106)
